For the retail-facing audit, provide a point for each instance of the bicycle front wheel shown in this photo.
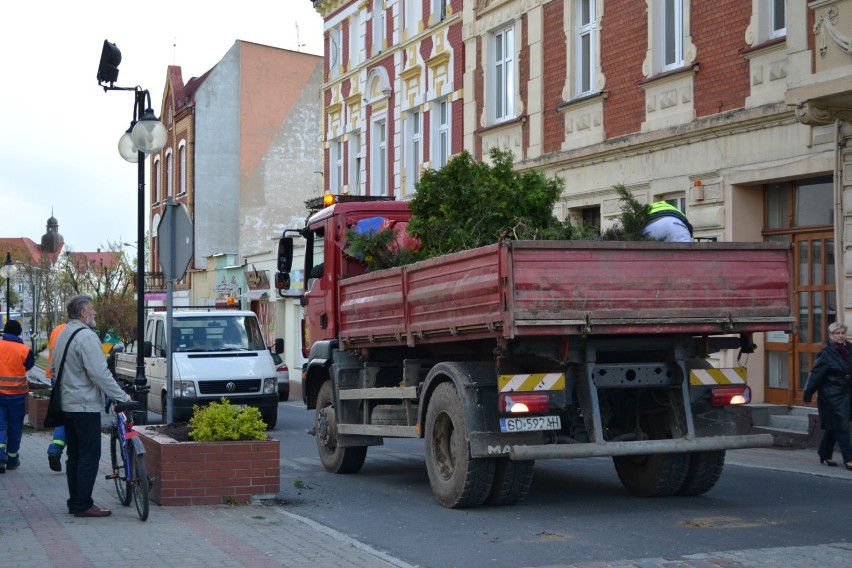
(140, 485)
(119, 468)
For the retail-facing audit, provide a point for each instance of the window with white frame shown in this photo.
(585, 51)
(170, 174)
(335, 51)
(379, 154)
(440, 135)
(157, 179)
(413, 15)
(356, 186)
(335, 166)
(670, 25)
(413, 148)
(354, 40)
(439, 10)
(182, 165)
(777, 18)
(379, 25)
(678, 201)
(503, 74)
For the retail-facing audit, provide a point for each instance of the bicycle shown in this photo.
(127, 455)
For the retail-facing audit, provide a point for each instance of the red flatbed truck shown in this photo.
(526, 350)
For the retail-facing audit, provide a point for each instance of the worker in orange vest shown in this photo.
(54, 450)
(15, 360)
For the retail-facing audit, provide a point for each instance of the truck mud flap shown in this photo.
(605, 449)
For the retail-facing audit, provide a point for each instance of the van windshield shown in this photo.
(219, 333)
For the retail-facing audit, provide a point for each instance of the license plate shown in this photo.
(530, 424)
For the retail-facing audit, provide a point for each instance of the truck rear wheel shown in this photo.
(653, 475)
(705, 469)
(457, 480)
(512, 481)
(333, 457)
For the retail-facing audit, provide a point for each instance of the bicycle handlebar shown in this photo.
(129, 405)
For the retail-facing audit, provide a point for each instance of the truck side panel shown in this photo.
(532, 288)
(449, 295)
(642, 287)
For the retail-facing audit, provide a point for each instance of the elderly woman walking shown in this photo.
(831, 378)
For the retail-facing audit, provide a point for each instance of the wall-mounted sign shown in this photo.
(257, 279)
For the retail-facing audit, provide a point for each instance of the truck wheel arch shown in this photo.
(469, 379)
(316, 371)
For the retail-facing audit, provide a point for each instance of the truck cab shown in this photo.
(325, 264)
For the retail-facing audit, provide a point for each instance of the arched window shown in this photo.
(170, 174)
(182, 165)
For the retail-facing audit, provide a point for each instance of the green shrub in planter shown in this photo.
(220, 421)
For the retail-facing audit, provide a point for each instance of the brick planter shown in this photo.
(208, 473)
(37, 402)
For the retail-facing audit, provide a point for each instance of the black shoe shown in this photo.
(828, 462)
(13, 464)
(2, 467)
(55, 462)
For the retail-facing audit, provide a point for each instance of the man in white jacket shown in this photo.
(85, 381)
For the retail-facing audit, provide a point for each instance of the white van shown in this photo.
(215, 353)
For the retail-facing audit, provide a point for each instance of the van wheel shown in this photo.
(271, 418)
(334, 458)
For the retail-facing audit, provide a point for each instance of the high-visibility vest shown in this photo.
(664, 209)
(13, 374)
(50, 343)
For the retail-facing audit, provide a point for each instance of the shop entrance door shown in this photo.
(790, 358)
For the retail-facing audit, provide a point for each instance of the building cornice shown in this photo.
(707, 128)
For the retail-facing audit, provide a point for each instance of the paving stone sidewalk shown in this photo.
(36, 529)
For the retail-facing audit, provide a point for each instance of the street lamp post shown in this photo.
(35, 285)
(8, 272)
(146, 135)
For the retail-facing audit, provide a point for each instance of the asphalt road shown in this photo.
(577, 511)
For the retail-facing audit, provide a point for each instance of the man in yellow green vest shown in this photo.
(667, 223)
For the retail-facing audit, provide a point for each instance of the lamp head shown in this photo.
(8, 270)
(126, 147)
(149, 134)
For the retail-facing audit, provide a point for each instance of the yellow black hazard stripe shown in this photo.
(709, 377)
(531, 382)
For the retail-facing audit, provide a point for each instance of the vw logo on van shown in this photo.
(231, 386)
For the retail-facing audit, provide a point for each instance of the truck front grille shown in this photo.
(227, 387)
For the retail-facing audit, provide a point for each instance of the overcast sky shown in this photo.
(60, 130)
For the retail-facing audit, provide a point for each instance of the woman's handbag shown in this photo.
(54, 416)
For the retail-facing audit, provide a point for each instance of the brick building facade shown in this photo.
(737, 112)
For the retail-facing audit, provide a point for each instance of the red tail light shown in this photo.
(524, 402)
(723, 396)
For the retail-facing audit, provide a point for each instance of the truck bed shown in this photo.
(515, 289)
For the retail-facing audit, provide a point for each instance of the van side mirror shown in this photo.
(146, 348)
(279, 345)
(285, 254)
